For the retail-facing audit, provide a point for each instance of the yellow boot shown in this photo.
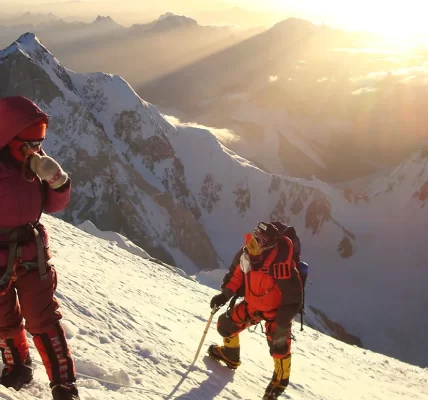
(228, 353)
(280, 378)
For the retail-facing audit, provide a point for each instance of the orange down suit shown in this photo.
(272, 293)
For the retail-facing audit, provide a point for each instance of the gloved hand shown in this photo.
(48, 170)
(218, 300)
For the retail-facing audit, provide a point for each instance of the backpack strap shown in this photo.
(282, 270)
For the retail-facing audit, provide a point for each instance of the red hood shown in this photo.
(16, 114)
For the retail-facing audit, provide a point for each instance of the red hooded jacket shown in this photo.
(22, 201)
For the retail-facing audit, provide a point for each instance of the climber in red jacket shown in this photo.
(265, 274)
(30, 183)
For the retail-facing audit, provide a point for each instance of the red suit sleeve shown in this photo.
(56, 199)
(236, 280)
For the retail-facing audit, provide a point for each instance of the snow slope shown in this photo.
(136, 324)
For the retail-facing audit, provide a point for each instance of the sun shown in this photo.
(386, 17)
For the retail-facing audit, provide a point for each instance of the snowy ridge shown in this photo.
(125, 244)
(122, 241)
(132, 322)
(406, 178)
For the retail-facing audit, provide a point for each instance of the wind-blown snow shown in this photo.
(136, 323)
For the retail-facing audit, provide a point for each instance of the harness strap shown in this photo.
(13, 251)
(41, 259)
(15, 254)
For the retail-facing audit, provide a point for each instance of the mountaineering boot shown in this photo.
(280, 378)
(17, 369)
(65, 391)
(16, 376)
(229, 353)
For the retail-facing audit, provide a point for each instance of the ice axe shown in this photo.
(213, 311)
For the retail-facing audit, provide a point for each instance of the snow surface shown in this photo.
(121, 241)
(137, 324)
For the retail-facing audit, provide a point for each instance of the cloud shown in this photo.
(364, 90)
(222, 134)
(364, 50)
(273, 78)
(411, 75)
(372, 76)
(323, 79)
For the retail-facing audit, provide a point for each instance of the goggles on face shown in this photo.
(261, 238)
(31, 143)
(259, 243)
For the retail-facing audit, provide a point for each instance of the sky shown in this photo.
(134, 334)
(383, 16)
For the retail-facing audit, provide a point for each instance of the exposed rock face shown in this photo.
(345, 247)
(317, 213)
(422, 193)
(18, 75)
(243, 197)
(336, 330)
(210, 193)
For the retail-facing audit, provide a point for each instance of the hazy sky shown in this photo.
(399, 18)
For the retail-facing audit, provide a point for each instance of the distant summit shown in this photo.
(167, 15)
(29, 18)
(294, 25)
(106, 21)
(170, 21)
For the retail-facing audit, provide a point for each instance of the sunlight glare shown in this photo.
(391, 19)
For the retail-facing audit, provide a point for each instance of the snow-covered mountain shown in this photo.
(134, 326)
(178, 193)
(136, 173)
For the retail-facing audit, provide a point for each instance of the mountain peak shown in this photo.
(170, 21)
(167, 15)
(28, 42)
(104, 20)
(28, 38)
(293, 23)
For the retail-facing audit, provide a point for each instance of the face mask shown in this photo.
(253, 247)
(245, 263)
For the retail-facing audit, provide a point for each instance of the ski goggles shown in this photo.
(259, 243)
(30, 143)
